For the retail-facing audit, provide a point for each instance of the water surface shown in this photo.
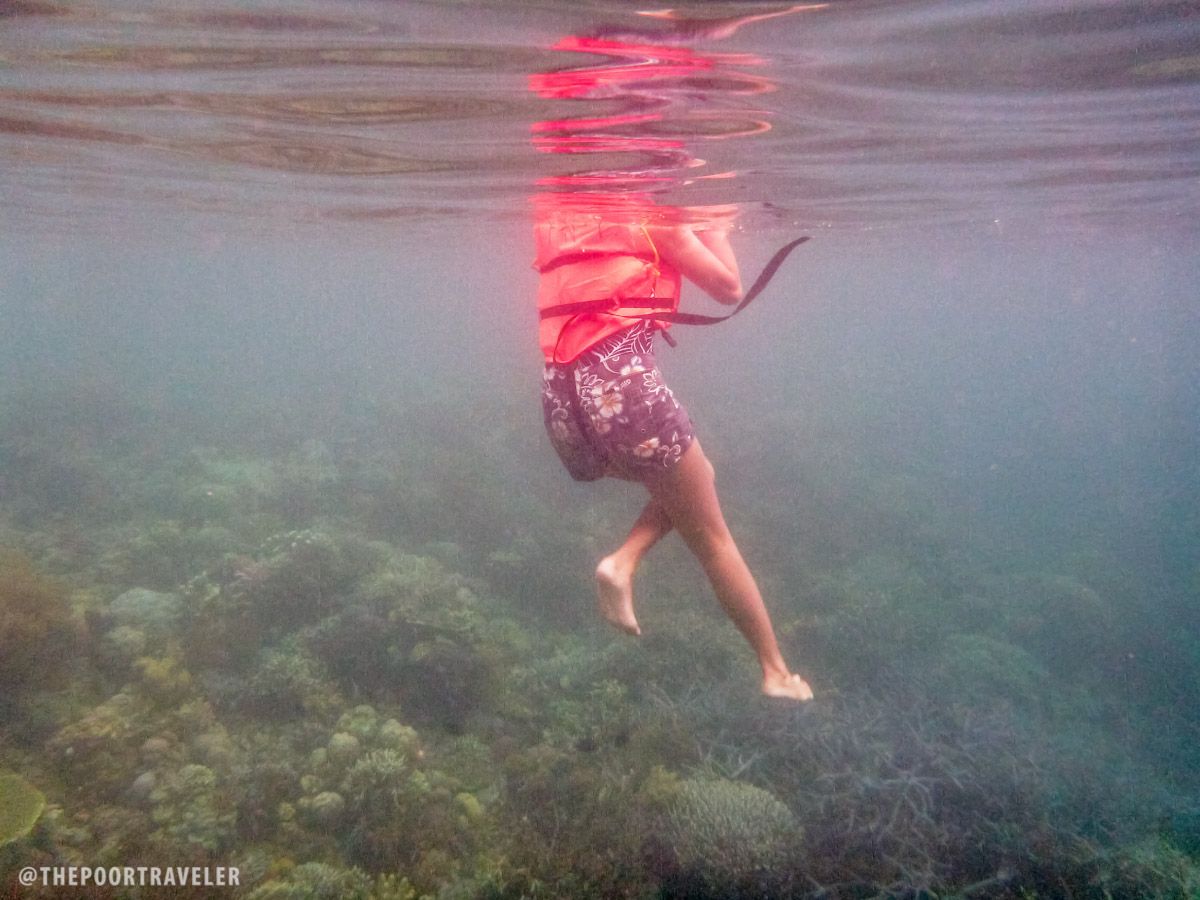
(880, 115)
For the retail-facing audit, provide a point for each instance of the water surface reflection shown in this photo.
(881, 114)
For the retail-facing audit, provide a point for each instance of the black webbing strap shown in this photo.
(570, 259)
(760, 284)
(606, 305)
(599, 306)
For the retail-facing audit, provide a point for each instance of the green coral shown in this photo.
(189, 809)
(875, 613)
(593, 719)
(1152, 868)
(470, 807)
(342, 748)
(290, 681)
(164, 553)
(723, 838)
(381, 783)
(420, 592)
(325, 809)
(1061, 621)
(392, 811)
(294, 579)
(121, 646)
(164, 678)
(154, 612)
(660, 788)
(978, 669)
(361, 722)
(396, 735)
(35, 623)
(98, 752)
(468, 763)
(21, 805)
(317, 881)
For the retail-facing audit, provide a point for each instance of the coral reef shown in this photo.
(154, 613)
(318, 881)
(164, 678)
(97, 753)
(1065, 624)
(189, 808)
(36, 630)
(163, 554)
(979, 670)
(722, 838)
(381, 785)
(294, 579)
(873, 614)
(288, 682)
(392, 810)
(288, 666)
(21, 805)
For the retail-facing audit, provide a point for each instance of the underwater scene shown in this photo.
(299, 602)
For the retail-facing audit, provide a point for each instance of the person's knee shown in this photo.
(716, 551)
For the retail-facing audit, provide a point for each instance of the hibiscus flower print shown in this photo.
(618, 416)
(646, 449)
(607, 401)
(559, 431)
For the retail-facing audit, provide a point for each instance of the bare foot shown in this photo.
(614, 590)
(787, 686)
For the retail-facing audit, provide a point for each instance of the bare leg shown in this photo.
(687, 495)
(614, 575)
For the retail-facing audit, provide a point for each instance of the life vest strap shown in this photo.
(679, 318)
(580, 256)
(608, 304)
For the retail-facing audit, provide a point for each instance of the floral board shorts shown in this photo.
(609, 412)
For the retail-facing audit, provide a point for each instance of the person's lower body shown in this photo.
(610, 413)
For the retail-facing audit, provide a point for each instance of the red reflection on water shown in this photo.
(650, 63)
(656, 99)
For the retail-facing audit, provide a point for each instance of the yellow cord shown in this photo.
(650, 241)
(654, 265)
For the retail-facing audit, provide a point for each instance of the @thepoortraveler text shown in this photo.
(131, 876)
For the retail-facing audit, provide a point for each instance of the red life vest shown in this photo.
(607, 268)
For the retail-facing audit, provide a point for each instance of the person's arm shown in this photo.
(717, 240)
(703, 257)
